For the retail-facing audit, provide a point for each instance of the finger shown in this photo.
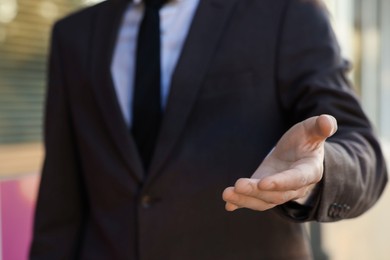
(228, 196)
(246, 186)
(292, 179)
(231, 207)
(250, 188)
(228, 193)
(235, 201)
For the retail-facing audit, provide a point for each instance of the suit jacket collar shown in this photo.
(201, 43)
(104, 36)
(208, 23)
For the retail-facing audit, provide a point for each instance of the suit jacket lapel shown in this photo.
(200, 45)
(103, 42)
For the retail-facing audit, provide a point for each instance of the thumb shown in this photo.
(310, 133)
(320, 127)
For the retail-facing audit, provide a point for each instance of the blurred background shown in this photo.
(363, 30)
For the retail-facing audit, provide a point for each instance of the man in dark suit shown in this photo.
(243, 85)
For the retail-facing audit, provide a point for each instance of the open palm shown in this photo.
(290, 171)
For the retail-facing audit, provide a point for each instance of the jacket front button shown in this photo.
(146, 201)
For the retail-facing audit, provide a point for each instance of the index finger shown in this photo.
(292, 179)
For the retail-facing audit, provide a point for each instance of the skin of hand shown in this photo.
(289, 172)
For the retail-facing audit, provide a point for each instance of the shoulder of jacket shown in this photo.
(315, 3)
(81, 17)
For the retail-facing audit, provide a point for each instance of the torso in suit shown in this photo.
(249, 70)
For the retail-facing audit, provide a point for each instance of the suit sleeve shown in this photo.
(312, 81)
(60, 206)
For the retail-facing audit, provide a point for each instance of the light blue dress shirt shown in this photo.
(175, 21)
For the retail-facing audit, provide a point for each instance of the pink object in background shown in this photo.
(17, 201)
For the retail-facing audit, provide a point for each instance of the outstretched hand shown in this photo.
(289, 172)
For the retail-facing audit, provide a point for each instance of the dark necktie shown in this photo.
(147, 112)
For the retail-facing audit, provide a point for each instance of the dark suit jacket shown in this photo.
(248, 71)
